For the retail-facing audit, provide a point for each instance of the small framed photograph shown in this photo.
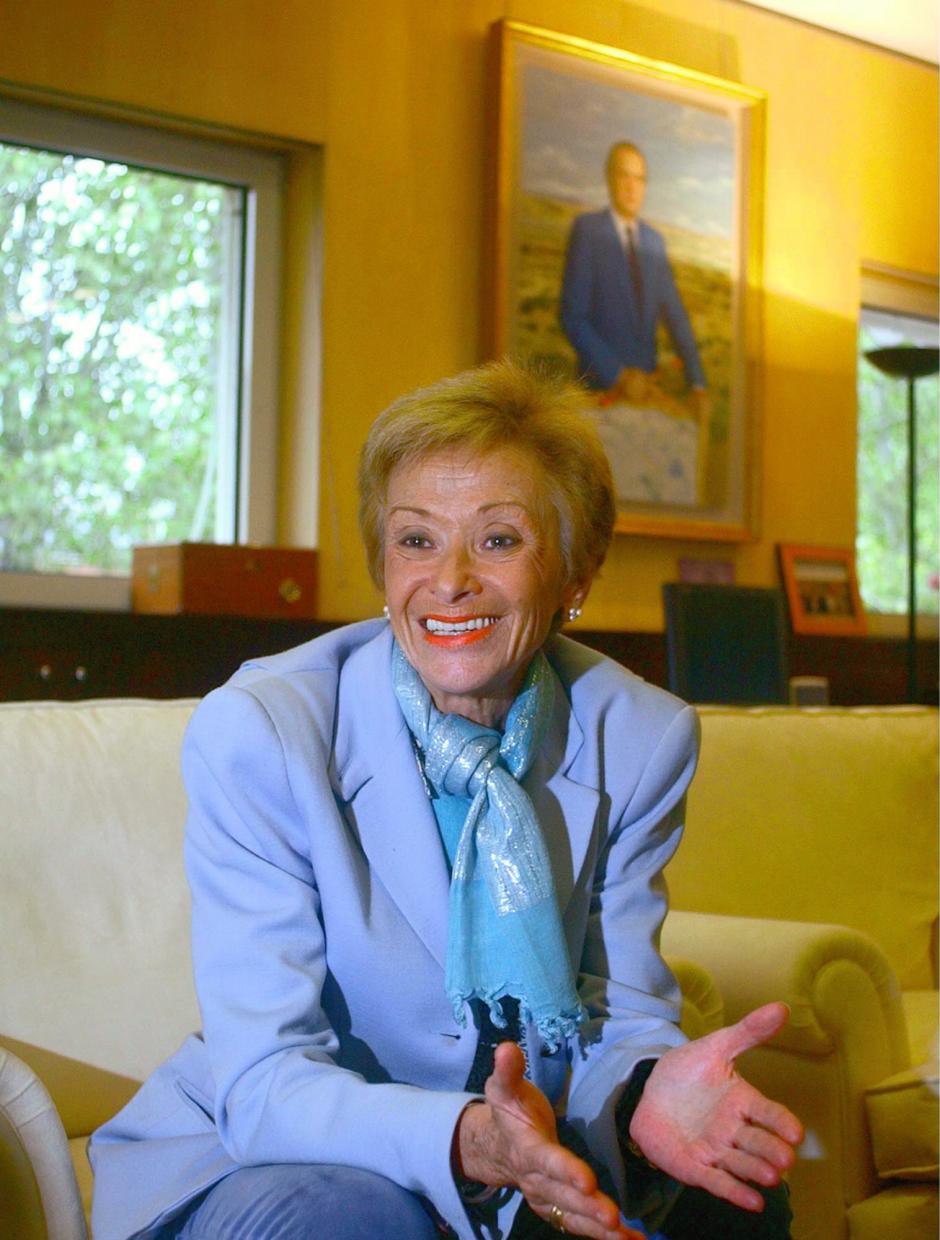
(822, 590)
(625, 208)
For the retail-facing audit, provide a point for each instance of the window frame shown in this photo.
(893, 290)
(257, 170)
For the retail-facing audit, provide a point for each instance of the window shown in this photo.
(882, 526)
(139, 272)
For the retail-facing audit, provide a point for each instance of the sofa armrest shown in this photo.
(831, 977)
(846, 1033)
(38, 1189)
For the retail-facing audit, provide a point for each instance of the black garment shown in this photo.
(490, 1036)
(697, 1215)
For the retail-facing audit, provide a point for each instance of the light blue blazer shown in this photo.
(320, 900)
(599, 310)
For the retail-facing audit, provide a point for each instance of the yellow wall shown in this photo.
(394, 90)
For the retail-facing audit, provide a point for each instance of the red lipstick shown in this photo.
(456, 640)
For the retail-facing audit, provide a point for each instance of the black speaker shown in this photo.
(726, 643)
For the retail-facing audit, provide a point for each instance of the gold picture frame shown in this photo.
(684, 464)
(822, 590)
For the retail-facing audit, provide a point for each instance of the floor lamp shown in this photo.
(910, 362)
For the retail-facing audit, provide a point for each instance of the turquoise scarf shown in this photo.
(504, 933)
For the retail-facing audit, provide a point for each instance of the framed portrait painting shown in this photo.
(624, 250)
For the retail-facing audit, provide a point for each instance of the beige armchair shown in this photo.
(809, 873)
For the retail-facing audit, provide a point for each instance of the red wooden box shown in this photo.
(271, 582)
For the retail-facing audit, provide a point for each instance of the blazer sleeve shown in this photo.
(259, 960)
(632, 1000)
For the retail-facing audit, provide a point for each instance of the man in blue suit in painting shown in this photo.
(618, 285)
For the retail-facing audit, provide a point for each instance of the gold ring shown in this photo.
(556, 1218)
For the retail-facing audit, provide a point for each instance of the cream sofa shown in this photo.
(796, 818)
(95, 986)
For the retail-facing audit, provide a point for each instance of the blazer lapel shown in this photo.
(566, 810)
(385, 799)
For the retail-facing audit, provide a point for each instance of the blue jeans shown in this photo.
(300, 1202)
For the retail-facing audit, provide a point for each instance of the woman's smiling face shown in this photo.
(473, 574)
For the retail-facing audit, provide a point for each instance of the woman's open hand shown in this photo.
(703, 1124)
(511, 1139)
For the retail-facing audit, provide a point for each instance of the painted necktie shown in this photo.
(636, 274)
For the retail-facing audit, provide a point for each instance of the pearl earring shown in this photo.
(573, 613)
(385, 611)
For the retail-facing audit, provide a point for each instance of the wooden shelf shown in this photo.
(72, 655)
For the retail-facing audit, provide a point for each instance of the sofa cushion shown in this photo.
(906, 1212)
(94, 906)
(803, 814)
(903, 1118)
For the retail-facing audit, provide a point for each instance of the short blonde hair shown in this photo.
(498, 405)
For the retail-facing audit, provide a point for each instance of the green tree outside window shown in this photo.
(114, 284)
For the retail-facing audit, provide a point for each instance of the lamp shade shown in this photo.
(906, 361)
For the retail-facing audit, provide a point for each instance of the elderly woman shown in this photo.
(426, 859)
